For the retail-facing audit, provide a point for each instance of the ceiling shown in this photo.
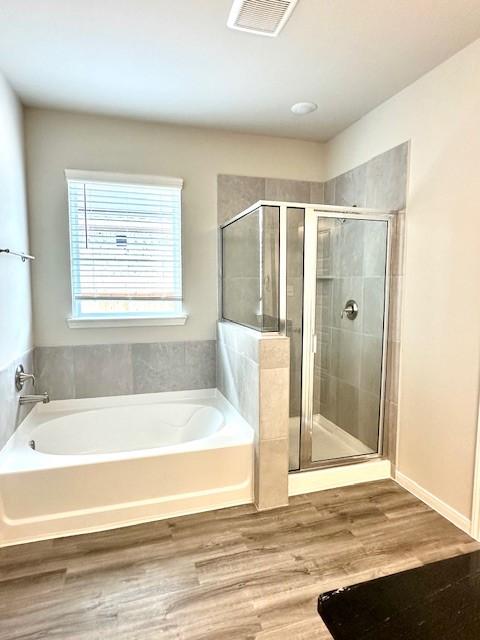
(176, 61)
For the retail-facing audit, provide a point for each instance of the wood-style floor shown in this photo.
(230, 574)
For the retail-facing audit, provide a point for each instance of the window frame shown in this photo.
(124, 319)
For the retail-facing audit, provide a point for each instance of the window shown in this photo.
(125, 248)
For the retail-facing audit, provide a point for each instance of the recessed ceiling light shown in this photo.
(302, 108)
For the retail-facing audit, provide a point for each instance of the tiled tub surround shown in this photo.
(253, 374)
(11, 413)
(381, 183)
(90, 371)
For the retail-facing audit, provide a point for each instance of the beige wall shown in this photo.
(440, 330)
(15, 293)
(441, 339)
(57, 140)
(15, 318)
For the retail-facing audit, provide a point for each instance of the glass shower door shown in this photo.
(346, 257)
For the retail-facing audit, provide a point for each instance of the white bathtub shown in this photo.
(106, 462)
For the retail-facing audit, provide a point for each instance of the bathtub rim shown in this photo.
(235, 430)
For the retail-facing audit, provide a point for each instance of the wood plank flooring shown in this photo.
(231, 574)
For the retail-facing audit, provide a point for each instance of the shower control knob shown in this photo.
(350, 310)
(21, 377)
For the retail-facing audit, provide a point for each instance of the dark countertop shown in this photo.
(439, 601)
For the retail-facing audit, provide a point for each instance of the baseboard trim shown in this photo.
(322, 479)
(451, 514)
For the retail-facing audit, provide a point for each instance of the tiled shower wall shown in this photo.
(253, 374)
(381, 183)
(236, 193)
(89, 371)
(351, 259)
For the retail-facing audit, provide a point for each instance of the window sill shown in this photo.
(108, 323)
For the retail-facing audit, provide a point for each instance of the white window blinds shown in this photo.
(125, 243)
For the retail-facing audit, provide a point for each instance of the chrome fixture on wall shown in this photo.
(350, 310)
(34, 399)
(21, 377)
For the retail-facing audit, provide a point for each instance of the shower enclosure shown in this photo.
(318, 274)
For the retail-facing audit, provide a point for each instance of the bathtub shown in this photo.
(84, 465)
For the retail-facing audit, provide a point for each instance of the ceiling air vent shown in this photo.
(264, 17)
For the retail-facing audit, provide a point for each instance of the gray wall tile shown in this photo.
(329, 192)
(351, 188)
(371, 365)
(158, 367)
(102, 370)
(350, 248)
(200, 364)
(238, 358)
(54, 372)
(317, 193)
(373, 305)
(387, 179)
(287, 190)
(368, 419)
(328, 387)
(379, 183)
(374, 249)
(346, 356)
(236, 193)
(348, 406)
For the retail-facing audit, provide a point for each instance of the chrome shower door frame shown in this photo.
(312, 215)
